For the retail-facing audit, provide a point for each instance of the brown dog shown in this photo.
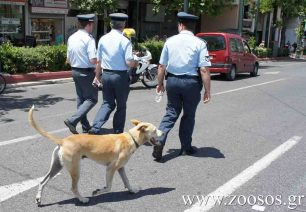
(113, 150)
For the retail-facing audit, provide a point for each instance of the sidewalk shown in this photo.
(289, 58)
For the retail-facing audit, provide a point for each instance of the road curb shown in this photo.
(40, 82)
(30, 79)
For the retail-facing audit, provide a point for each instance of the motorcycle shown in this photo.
(145, 72)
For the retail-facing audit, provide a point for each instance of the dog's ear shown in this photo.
(142, 127)
(135, 122)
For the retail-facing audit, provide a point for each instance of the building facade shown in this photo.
(42, 19)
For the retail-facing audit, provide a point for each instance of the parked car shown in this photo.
(229, 54)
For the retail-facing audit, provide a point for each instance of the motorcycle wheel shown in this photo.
(150, 78)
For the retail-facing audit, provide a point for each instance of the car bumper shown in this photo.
(220, 68)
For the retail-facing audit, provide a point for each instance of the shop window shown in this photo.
(47, 31)
(12, 23)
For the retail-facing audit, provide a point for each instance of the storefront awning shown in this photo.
(49, 10)
(13, 2)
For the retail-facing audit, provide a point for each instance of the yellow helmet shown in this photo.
(129, 32)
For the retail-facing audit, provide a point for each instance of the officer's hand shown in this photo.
(206, 97)
(96, 82)
(160, 88)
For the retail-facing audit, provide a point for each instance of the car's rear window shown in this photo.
(214, 42)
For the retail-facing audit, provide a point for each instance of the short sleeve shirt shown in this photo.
(81, 48)
(184, 53)
(114, 50)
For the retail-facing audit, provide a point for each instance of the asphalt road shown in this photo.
(250, 139)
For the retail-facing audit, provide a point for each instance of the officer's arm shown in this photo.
(205, 76)
(132, 63)
(161, 74)
(97, 80)
(98, 70)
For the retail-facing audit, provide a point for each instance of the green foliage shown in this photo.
(195, 6)
(95, 6)
(290, 8)
(252, 42)
(155, 47)
(41, 58)
(263, 52)
(300, 30)
(283, 52)
(266, 6)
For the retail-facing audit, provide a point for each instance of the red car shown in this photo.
(229, 54)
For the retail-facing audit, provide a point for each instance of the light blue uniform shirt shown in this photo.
(184, 53)
(81, 48)
(114, 50)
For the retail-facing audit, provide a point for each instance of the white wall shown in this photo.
(292, 24)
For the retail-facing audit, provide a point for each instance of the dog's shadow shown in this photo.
(113, 197)
(203, 152)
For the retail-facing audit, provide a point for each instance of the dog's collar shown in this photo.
(136, 144)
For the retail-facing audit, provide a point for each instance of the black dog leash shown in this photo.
(136, 144)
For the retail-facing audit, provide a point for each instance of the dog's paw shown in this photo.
(84, 200)
(96, 192)
(38, 201)
(100, 191)
(134, 190)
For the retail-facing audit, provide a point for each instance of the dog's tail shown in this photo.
(40, 130)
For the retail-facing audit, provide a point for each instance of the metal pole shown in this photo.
(256, 21)
(137, 19)
(186, 5)
(241, 10)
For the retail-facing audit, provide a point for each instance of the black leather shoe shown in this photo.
(71, 127)
(92, 132)
(158, 152)
(85, 130)
(189, 151)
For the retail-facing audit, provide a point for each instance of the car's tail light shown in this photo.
(228, 60)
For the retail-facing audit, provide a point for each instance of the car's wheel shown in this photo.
(254, 72)
(231, 75)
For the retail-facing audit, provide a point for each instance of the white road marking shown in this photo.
(9, 191)
(246, 175)
(258, 208)
(27, 138)
(42, 118)
(272, 72)
(246, 87)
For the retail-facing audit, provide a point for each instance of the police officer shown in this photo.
(114, 57)
(81, 54)
(183, 55)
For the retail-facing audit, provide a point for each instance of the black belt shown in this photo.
(83, 69)
(115, 71)
(183, 76)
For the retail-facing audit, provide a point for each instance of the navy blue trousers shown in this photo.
(115, 93)
(183, 93)
(87, 96)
